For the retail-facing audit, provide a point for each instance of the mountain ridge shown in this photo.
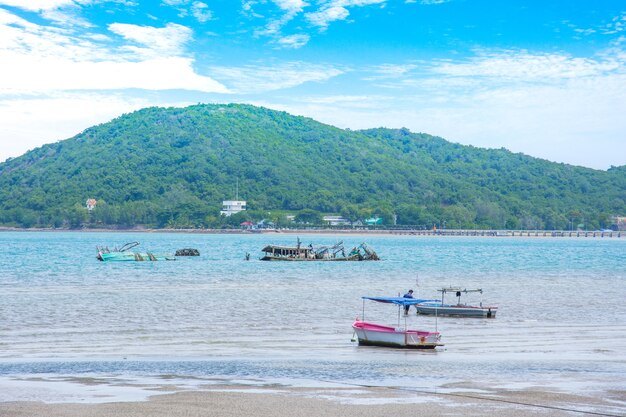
(172, 167)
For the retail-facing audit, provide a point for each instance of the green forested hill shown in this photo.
(172, 168)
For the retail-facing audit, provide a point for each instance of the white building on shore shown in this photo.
(230, 207)
(336, 220)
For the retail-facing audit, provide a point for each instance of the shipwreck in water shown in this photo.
(335, 252)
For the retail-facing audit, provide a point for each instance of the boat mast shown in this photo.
(417, 285)
(399, 307)
(363, 314)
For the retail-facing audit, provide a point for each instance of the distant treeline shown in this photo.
(173, 167)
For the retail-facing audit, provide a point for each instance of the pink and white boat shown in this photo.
(371, 334)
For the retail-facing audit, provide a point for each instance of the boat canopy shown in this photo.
(270, 248)
(397, 300)
(459, 290)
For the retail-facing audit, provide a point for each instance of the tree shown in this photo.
(410, 214)
(351, 213)
(386, 213)
(309, 216)
(458, 216)
(236, 219)
(77, 215)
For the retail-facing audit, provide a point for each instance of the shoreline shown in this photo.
(366, 232)
(282, 401)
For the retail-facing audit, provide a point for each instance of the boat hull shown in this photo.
(323, 253)
(297, 259)
(458, 310)
(133, 257)
(371, 334)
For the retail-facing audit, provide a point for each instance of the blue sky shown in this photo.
(544, 78)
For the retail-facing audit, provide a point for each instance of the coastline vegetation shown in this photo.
(172, 167)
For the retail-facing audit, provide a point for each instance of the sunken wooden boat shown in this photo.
(336, 252)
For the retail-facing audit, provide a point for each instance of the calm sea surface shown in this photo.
(561, 320)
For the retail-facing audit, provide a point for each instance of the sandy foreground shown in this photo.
(277, 401)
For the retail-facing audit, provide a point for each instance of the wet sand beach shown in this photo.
(233, 401)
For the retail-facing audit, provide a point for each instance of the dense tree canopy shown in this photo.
(172, 168)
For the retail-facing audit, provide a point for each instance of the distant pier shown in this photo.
(512, 233)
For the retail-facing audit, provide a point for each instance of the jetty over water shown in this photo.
(400, 230)
(513, 233)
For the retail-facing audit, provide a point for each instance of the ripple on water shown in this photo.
(560, 303)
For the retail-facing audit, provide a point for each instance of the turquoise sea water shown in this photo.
(561, 319)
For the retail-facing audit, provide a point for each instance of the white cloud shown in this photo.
(201, 12)
(556, 107)
(390, 71)
(7, 18)
(293, 41)
(32, 75)
(327, 11)
(273, 27)
(292, 6)
(46, 59)
(28, 123)
(39, 5)
(551, 105)
(348, 102)
(615, 26)
(335, 10)
(579, 124)
(21, 37)
(521, 65)
(43, 64)
(67, 18)
(169, 40)
(256, 79)
(429, 2)
(585, 31)
(330, 14)
(575, 122)
(60, 11)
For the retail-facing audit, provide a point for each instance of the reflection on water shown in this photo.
(561, 310)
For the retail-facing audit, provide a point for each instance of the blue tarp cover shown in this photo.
(397, 300)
